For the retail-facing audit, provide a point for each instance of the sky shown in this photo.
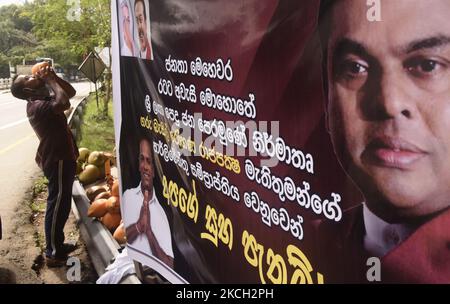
(6, 2)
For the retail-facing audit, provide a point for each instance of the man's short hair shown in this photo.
(143, 3)
(149, 140)
(17, 88)
(324, 30)
(324, 20)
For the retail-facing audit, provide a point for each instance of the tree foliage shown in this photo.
(71, 29)
(63, 30)
(16, 39)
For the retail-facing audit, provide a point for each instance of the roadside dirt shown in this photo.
(21, 250)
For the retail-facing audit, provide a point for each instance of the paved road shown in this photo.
(18, 145)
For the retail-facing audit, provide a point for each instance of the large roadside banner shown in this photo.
(227, 167)
(231, 98)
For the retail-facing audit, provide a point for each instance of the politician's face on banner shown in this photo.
(127, 29)
(146, 165)
(142, 16)
(141, 21)
(134, 27)
(126, 17)
(126, 26)
(389, 102)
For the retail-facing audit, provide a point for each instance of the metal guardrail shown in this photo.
(5, 83)
(75, 118)
(102, 247)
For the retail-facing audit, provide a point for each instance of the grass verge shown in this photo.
(38, 205)
(97, 131)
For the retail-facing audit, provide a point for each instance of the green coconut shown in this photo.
(84, 154)
(97, 158)
(101, 169)
(89, 175)
(79, 167)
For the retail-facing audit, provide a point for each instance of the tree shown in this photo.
(68, 35)
(14, 29)
(54, 24)
(63, 30)
(16, 40)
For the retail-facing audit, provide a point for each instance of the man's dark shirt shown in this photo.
(56, 139)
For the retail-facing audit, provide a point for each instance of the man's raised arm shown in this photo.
(66, 86)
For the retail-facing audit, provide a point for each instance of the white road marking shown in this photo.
(8, 103)
(13, 124)
(17, 143)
